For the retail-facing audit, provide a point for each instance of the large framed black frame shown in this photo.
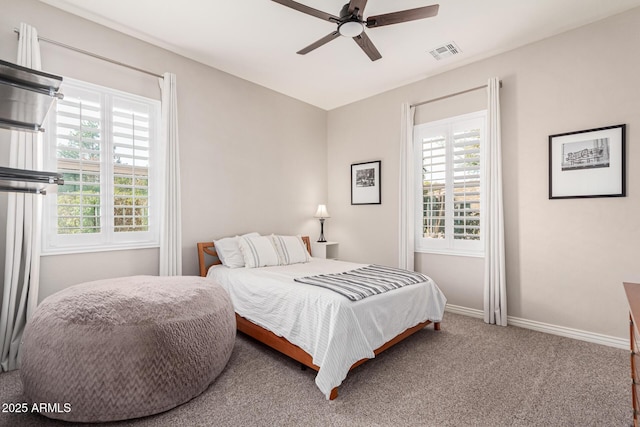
(366, 188)
(588, 163)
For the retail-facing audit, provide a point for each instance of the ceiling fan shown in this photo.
(351, 23)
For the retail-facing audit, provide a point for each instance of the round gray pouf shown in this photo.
(125, 348)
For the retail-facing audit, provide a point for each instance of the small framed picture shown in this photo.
(587, 163)
(365, 183)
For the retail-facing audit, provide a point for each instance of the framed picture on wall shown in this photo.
(365, 183)
(587, 163)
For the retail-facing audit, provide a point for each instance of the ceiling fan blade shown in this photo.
(357, 4)
(367, 45)
(402, 16)
(326, 39)
(308, 10)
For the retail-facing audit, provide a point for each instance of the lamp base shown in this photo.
(321, 239)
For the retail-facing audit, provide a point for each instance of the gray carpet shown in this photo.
(467, 374)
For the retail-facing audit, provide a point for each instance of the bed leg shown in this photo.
(436, 326)
(333, 394)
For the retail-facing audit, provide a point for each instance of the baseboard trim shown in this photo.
(547, 328)
(465, 311)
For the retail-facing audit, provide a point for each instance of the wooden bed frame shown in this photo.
(281, 344)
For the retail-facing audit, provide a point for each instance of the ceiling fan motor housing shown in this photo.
(344, 13)
(350, 25)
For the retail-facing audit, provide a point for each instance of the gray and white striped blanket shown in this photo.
(365, 281)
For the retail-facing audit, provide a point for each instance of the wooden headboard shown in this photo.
(208, 248)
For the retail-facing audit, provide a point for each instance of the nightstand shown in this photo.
(327, 250)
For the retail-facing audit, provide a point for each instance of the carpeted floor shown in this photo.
(467, 374)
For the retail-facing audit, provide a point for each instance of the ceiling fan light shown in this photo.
(351, 28)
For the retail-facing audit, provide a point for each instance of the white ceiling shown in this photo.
(257, 40)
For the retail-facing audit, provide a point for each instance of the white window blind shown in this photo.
(131, 128)
(466, 183)
(102, 141)
(78, 149)
(434, 179)
(450, 184)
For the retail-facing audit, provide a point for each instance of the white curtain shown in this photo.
(170, 224)
(24, 215)
(407, 186)
(495, 287)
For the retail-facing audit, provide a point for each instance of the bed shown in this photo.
(318, 327)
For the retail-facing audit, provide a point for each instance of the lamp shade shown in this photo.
(322, 212)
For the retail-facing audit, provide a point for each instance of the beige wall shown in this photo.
(566, 259)
(251, 159)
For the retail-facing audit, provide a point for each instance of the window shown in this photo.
(449, 160)
(104, 144)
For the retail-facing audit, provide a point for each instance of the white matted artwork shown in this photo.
(587, 163)
(365, 183)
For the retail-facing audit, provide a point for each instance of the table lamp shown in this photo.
(322, 213)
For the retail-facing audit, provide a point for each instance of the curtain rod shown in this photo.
(75, 49)
(417, 104)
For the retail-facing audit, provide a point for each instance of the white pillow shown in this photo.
(258, 251)
(229, 251)
(290, 249)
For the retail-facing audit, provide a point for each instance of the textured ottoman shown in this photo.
(125, 348)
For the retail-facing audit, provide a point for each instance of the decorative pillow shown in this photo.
(229, 251)
(291, 249)
(258, 251)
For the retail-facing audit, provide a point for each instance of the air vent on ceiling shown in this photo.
(444, 51)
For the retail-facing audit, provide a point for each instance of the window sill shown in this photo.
(451, 252)
(91, 249)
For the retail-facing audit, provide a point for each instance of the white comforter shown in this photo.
(335, 331)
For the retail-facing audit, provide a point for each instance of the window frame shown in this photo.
(448, 245)
(107, 239)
